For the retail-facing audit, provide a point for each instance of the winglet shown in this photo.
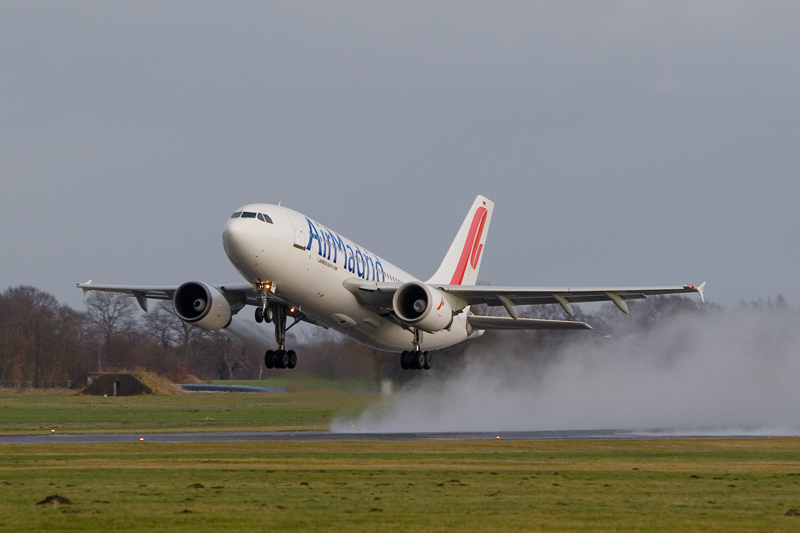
(702, 290)
(85, 289)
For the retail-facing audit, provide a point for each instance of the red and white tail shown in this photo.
(460, 265)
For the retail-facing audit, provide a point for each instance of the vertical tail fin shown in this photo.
(460, 265)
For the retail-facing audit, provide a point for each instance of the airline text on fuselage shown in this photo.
(340, 251)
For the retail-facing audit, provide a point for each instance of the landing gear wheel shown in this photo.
(259, 315)
(419, 360)
(404, 360)
(282, 359)
(428, 361)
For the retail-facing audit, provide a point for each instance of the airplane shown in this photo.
(297, 268)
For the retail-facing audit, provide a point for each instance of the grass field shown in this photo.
(496, 485)
(309, 405)
(641, 485)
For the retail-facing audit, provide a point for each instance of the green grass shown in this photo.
(27, 412)
(643, 485)
(496, 485)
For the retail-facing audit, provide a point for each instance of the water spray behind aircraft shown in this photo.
(731, 371)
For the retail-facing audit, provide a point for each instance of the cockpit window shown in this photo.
(250, 214)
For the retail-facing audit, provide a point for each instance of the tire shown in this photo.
(269, 359)
(269, 315)
(292, 359)
(283, 359)
(419, 360)
(404, 360)
(428, 361)
(259, 315)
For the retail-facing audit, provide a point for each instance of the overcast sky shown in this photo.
(623, 142)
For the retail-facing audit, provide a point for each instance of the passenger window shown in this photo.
(248, 214)
(236, 214)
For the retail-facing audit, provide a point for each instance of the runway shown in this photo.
(323, 436)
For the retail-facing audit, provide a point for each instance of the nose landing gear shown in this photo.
(280, 358)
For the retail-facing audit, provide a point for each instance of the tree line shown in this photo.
(42, 340)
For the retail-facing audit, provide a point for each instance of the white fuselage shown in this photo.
(306, 263)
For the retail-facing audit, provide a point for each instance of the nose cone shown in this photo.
(240, 242)
(232, 236)
(249, 239)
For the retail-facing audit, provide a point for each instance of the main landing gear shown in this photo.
(415, 360)
(280, 358)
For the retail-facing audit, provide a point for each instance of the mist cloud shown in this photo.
(736, 371)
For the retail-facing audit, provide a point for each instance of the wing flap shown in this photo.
(500, 322)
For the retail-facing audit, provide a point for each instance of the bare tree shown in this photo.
(222, 354)
(37, 335)
(174, 336)
(110, 313)
(159, 324)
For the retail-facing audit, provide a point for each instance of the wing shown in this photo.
(141, 292)
(235, 294)
(510, 297)
(238, 295)
(378, 297)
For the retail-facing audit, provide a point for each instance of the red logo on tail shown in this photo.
(471, 254)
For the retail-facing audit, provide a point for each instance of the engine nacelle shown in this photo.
(422, 306)
(202, 305)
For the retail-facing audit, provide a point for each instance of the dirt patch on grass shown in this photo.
(55, 499)
(160, 385)
(189, 379)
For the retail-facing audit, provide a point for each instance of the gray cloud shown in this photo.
(624, 143)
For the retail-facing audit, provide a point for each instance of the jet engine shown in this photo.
(422, 306)
(202, 305)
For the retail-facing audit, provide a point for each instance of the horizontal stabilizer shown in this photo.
(501, 322)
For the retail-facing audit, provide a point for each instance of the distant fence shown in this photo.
(63, 384)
